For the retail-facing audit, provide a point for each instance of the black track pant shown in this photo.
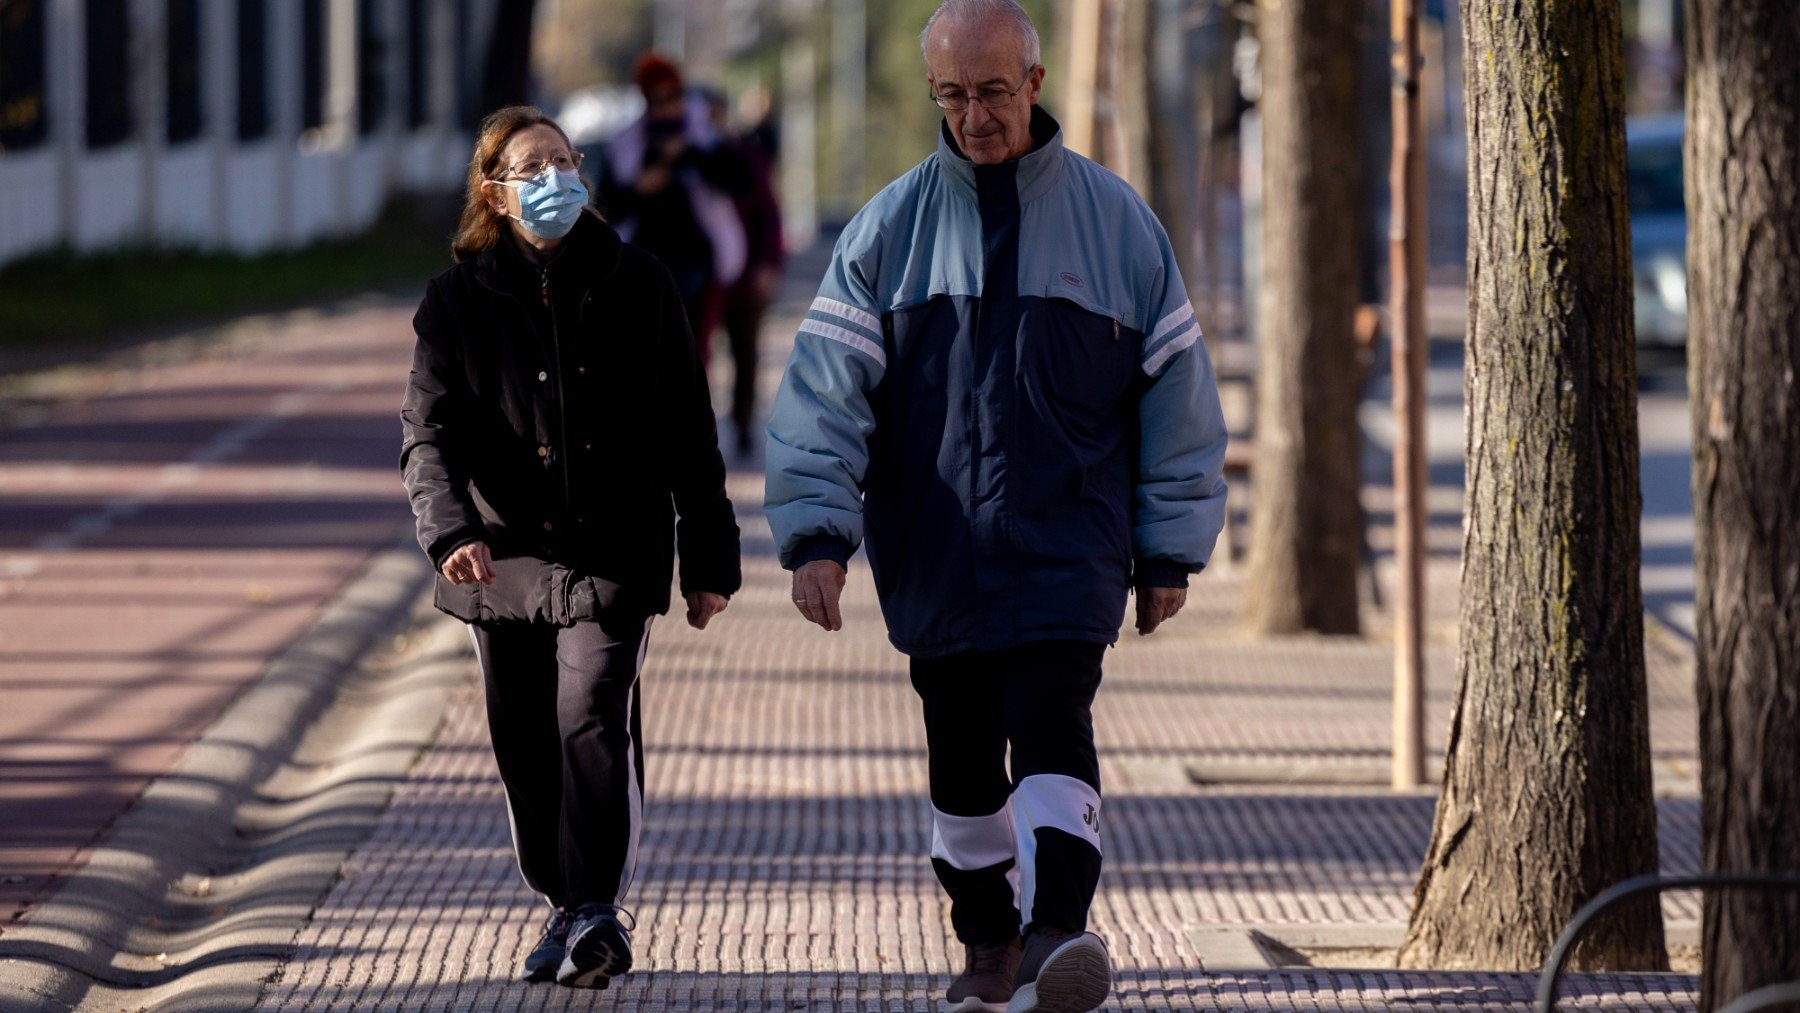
(1020, 850)
(562, 710)
(743, 326)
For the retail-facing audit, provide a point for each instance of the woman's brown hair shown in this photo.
(481, 226)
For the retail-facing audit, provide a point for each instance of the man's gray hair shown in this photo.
(976, 10)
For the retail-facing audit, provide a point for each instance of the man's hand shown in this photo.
(817, 586)
(702, 606)
(470, 562)
(1156, 604)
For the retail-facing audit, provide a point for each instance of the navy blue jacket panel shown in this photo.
(1001, 389)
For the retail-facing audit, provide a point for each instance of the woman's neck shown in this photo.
(536, 248)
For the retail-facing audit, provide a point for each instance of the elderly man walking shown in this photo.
(1000, 386)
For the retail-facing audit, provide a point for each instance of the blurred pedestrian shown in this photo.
(747, 299)
(1001, 382)
(670, 187)
(557, 422)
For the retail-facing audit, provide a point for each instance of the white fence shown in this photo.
(382, 81)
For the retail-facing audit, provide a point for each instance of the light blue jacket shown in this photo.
(1001, 387)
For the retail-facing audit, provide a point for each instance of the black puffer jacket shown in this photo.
(562, 413)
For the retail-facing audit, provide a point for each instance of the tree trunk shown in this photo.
(1172, 125)
(1546, 797)
(1306, 521)
(1743, 199)
(506, 71)
(1127, 69)
(1217, 278)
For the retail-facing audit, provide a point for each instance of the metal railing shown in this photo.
(1760, 999)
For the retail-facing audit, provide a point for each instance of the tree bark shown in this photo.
(1172, 124)
(1217, 279)
(1743, 199)
(1546, 796)
(1306, 521)
(1127, 67)
(506, 70)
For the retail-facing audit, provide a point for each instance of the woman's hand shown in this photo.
(470, 562)
(702, 606)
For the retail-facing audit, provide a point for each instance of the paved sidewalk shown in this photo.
(787, 824)
(164, 531)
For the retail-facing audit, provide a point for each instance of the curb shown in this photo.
(1274, 949)
(91, 932)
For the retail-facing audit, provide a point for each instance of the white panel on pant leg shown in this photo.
(1050, 800)
(973, 842)
(636, 814)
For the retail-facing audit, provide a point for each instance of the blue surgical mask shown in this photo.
(550, 202)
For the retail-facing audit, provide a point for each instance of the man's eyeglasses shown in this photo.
(990, 98)
(566, 162)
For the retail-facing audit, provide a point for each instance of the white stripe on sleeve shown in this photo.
(1171, 323)
(846, 336)
(1168, 350)
(843, 309)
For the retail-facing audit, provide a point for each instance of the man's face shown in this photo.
(984, 58)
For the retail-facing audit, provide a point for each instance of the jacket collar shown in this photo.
(1037, 171)
(590, 251)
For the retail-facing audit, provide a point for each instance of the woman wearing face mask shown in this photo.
(557, 424)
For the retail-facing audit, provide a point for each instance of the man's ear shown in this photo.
(1036, 79)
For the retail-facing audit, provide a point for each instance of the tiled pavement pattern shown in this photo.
(164, 529)
(784, 859)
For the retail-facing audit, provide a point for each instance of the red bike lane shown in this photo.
(161, 538)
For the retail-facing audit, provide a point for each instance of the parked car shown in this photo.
(1658, 228)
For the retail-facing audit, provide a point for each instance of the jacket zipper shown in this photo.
(562, 416)
(975, 436)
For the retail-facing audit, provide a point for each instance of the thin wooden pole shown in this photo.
(849, 102)
(1406, 260)
(799, 126)
(1084, 76)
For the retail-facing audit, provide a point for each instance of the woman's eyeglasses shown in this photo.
(565, 162)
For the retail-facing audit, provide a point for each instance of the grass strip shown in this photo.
(59, 298)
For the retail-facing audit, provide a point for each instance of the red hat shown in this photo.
(654, 70)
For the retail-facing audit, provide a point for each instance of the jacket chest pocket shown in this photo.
(502, 372)
(1076, 368)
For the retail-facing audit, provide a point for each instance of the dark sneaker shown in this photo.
(1062, 972)
(599, 946)
(987, 983)
(543, 960)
